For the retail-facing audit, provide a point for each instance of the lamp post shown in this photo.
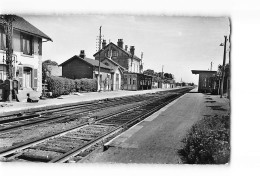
(223, 67)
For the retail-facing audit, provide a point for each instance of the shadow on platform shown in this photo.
(194, 92)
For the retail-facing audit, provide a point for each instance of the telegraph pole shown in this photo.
(210, 66)
(141, 70)
(162, 71)
(99, 49)
(8, 28)
(229, 76)
(8, 21)
(223, 68)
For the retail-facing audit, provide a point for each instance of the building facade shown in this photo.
(137, 81)
(117, 73)
(124, 57)
(27, 54)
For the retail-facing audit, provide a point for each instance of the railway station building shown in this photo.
(124, 57)
(27, 56)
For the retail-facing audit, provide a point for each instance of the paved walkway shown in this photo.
(6, 107)
(157, 138)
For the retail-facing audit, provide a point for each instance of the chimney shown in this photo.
(82, 54)
(126, 47)
(120, 43)
(104, 43)
(132, 50)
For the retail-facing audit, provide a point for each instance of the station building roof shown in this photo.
(202, 71)
(22, 25)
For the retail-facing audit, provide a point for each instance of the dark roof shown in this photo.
(127, 52)
(22, 25)
(87, 60)
(202, 71)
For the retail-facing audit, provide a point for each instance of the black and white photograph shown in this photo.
(93, 87)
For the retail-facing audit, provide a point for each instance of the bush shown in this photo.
(208, 142)
(64, 86)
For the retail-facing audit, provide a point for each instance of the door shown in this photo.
(27, 77)
(117, 81)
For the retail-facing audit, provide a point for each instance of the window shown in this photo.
(2, 72)
(117, 77)
(129, 81)
(107, 53)
(134, 81)
(2, 39)
(40, 46)
(26, 44)
(114, 53)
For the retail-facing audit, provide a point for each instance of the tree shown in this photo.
(160, 74)
(50, 62)
(46, 70)
(168, 76)
(149, 72)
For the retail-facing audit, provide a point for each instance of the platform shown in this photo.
(158, 138)
(16, 107)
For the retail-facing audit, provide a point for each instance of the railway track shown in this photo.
(8, 123)
(72, 144)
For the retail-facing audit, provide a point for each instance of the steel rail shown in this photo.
(58, 117)
(25, 145)
(22, 146)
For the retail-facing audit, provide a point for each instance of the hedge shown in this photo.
(64, 86)
(208, 142)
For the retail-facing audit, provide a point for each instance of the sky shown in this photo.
(179, 44)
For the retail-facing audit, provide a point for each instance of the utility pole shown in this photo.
(210, 66)
(229, 78)
(141, 67)
(8, 21)
(99, 50)
(8, 28)
(223, 68)
(162, 71)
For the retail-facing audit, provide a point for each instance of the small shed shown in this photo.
(206, 83)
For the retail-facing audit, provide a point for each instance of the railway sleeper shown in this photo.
(51, 148)
(40, 156)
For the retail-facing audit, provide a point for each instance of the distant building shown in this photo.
(206, 84)
(27, 54)
(126, 59)
(137, 81)
(79, 66)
